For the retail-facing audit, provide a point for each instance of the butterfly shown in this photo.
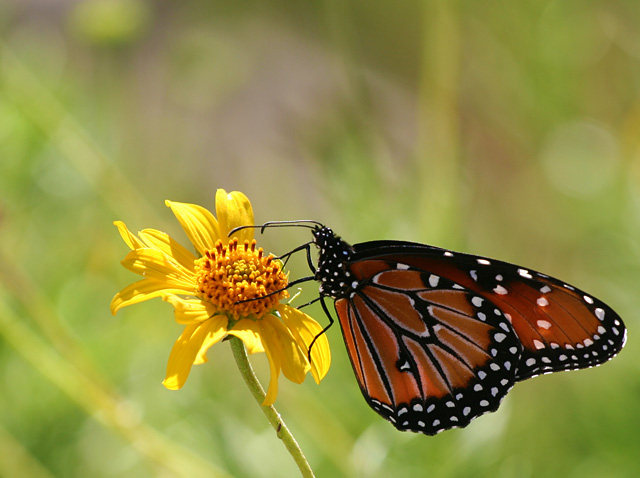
(437, 338)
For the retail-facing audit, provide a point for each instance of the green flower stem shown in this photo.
(240, 354)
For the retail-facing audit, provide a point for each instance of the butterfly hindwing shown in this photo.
(428, 354)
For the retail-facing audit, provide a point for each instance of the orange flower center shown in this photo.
(240, 280)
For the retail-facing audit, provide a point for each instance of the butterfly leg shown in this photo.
(286, 256)
(291, 284)
(326, 311)
(309, 303)
(312, 266)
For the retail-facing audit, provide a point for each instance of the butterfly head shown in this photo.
(332, 272)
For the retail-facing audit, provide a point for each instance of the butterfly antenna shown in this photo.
(309, 223)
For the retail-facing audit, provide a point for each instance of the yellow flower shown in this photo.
(218, 284)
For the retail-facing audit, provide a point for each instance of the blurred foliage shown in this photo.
(508, 129)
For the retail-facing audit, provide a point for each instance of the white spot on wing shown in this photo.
(543, 324)
(500, 290)
(433, 280)
(499, 337)
(484, 262)
(477, 301)
(525, 273)
(402, 267)
(542, 301)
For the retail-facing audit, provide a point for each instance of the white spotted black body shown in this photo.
(332, 271)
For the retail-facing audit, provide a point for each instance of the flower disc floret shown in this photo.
(240, 280)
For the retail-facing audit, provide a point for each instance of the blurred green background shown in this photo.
(507, 129)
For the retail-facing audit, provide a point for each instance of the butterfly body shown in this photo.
(437, 338)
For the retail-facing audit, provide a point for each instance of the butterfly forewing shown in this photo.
(560, 326)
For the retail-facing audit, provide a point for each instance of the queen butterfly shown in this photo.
(437, 338)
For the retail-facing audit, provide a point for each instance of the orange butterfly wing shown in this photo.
(437, 338)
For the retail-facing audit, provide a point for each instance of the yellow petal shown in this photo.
(153, 264)
(247, 331)
(140, 291)
(198, 223)
(274, 369)
(166, 244)
(277, 339)
(218, 330)
(234, 210)
(189, 311)
(186, 349)
(182, 355)
(305, 330)
(132, 241)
